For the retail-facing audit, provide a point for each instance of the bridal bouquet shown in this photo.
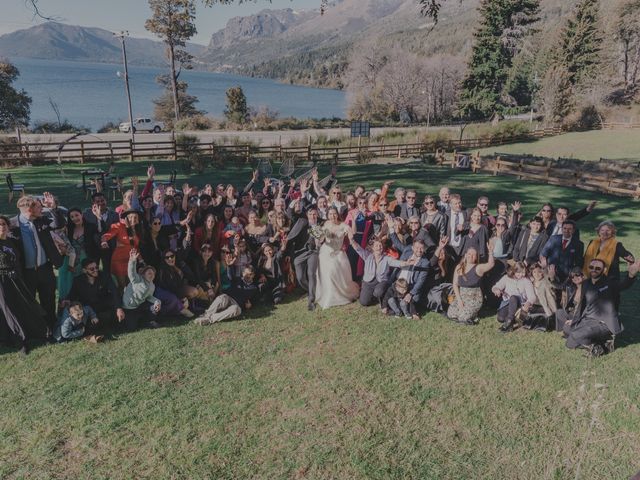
(316, 232)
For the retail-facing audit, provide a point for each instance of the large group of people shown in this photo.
(211, 253)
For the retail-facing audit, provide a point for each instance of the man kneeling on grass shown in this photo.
(73, 323)
(229, 305)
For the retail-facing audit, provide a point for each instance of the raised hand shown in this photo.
(254, 176)
(151, 172)
(633, 269)
(515, 206)
(134, 254)
(551, 269)
(592, 205)
(186, 188)
(134, 183)
(95, 209)
(314, 174)
(443, 241)
(48, 201)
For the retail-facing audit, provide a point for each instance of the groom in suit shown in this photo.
(305, 253)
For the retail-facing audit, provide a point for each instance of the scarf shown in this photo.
(607, 255)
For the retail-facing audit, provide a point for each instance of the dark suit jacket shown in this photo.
(520, 253)
(565, 259)
(418, 276)
(300, 239)
(404, 213)
(43, 229)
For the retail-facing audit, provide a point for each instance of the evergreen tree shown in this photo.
(581, 40)
(14, 104)
(503, 25)
(173, 22)
(164, 105)
(236, 109)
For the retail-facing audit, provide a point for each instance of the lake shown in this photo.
(91, 94)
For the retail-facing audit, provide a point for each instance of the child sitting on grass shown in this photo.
(73, 322)
(394, 300)
(138, 301)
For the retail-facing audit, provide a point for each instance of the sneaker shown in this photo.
(24, 349)
(595, 350)
(185, 312)
(397, 315)
(609, 345)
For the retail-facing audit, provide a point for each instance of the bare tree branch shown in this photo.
(33, 5)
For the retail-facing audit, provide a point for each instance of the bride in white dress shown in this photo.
(334, 285)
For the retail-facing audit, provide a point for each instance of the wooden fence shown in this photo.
(84, 151)
(593, 176)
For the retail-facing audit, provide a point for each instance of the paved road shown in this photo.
(223, 136)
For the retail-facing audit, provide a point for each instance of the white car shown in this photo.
(142, 124)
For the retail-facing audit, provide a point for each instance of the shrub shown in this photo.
(191, 159)
(109, 127)
(197, 122)
(54, 127)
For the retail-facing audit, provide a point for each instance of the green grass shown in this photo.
(591, 145)
(342, 393)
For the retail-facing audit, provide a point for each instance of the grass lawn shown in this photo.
(592, 145)
(341, 393)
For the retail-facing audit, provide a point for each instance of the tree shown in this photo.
(556, 96)
(580, 44)
(627, 31)
(236, 110)
(164, 105)
(14, 104)
(173, 22)
(498, 39)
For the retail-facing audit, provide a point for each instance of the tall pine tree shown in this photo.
(581, 41)
(498, 39)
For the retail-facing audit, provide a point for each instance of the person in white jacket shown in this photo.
(517, 292)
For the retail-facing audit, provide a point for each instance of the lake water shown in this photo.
(91, 94)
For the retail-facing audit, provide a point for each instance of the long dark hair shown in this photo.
(70, 225)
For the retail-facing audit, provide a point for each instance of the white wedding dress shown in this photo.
(334, 285)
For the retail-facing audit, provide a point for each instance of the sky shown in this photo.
(116, 15)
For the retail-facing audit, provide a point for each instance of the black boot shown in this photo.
(506, 327)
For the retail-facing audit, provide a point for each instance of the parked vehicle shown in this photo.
(142, 124)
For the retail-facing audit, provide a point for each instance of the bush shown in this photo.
(109, 127)
(585, 118)
(189, 154)
(197, 122)
(54, 127)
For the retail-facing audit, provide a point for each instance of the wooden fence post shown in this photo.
(383, 146)
(26, 151)
(175, 146)
(111, 151)
(247, 154)
(453, 159)
(82, 152)
(496, 166)
(131, 150)
(520, 168)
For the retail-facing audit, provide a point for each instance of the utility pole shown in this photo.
(121, 35)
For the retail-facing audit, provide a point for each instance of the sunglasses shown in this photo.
(169, 257)
(594, 268)
(156, 223)
(483, 204)
(227, 253)
(92, 269)
(429, 202)
(267, 202)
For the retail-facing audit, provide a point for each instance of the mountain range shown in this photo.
(304, 47)
(57, 41)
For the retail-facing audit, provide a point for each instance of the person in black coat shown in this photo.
(39, 254)
(562, 215)
(97, 290)
(530, 242)
(304, 241)
(270, 274)
(598, 322)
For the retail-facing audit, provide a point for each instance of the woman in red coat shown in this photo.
(127, 234)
